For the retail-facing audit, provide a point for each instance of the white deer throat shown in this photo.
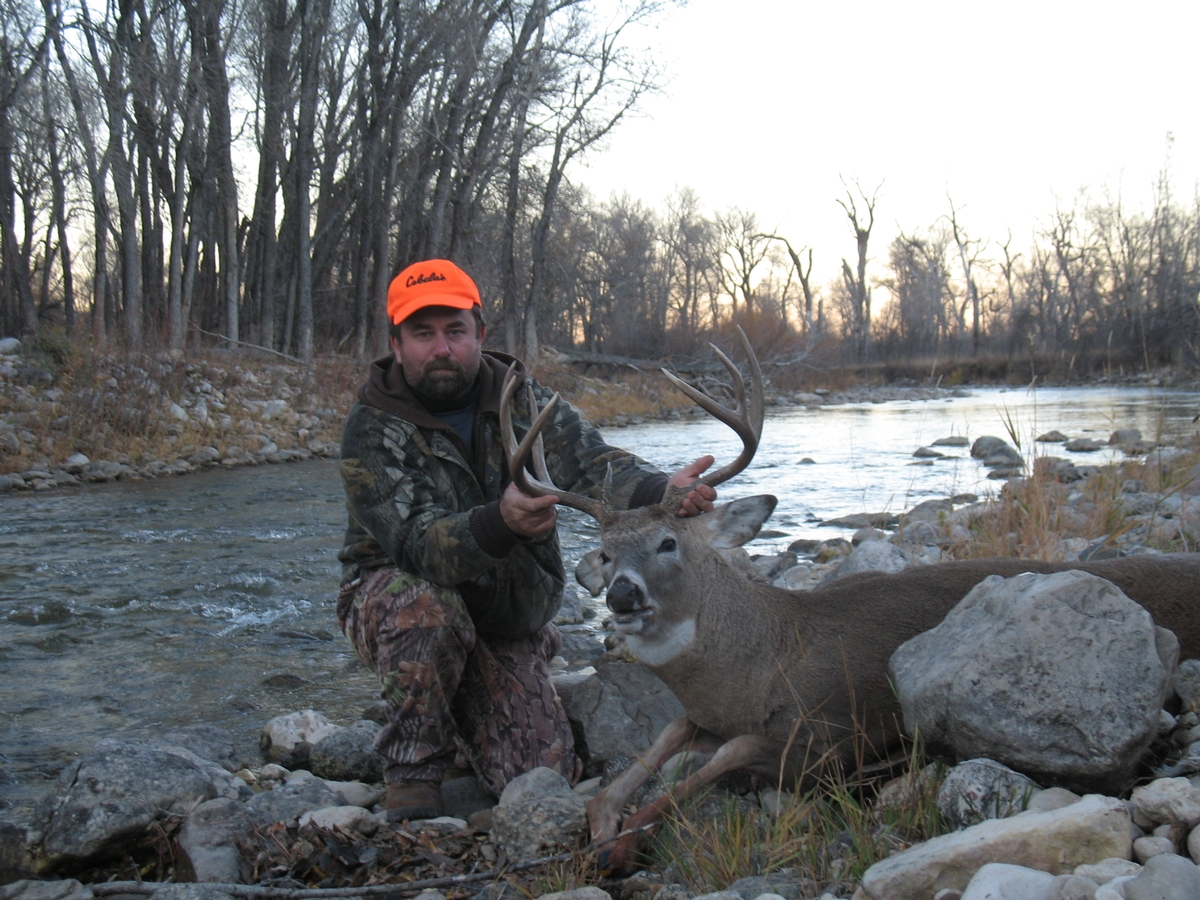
(662, 648)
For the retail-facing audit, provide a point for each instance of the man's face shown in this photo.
(439, 353)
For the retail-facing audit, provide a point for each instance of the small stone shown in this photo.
(1145, 848)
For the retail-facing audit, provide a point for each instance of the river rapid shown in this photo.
(130, 609)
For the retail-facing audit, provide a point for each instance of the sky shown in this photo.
(1009, 109)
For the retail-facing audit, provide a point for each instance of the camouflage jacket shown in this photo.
(418, 499)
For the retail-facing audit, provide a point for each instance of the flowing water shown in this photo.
(130, 609)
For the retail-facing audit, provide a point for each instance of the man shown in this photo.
(451, 575)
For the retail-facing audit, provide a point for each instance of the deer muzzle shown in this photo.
(626, 599)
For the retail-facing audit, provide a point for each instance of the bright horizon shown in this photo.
(1011, 111)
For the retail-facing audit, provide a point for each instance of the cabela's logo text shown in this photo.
(423, 279)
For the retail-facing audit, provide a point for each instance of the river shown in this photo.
(129, 609)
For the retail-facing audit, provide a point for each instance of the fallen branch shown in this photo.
(286, 356)
(262, 892)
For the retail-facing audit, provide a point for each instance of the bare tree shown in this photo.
(857, 291)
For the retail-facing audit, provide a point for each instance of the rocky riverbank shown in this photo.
(70, 417)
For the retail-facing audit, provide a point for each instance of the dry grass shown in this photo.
(629, 394)
(830, 835)
(1033, 519)
(112, 405)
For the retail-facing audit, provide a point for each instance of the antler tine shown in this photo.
(518, 454)
(746, 420)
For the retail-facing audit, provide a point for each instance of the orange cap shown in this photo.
(432, 282)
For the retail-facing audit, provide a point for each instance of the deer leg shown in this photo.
(604, 811)
(743, 752)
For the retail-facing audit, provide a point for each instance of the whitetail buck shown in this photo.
(778, 682)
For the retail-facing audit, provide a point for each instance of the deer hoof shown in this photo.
(622, 857)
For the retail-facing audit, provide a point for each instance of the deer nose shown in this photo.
(624, 596)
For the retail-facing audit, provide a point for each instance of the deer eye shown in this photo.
(667, 546)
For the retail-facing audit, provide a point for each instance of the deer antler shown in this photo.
(746, 419)
(518, 455)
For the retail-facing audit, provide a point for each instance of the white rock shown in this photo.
(9, 345)
(586, 893)
(355, 793)
(1107, 869)
(283, 738)
(347, 818)
(273, 409)
(1146, 847)
(1091, 830)
(1052, 798)
(1173, 800)
(1001, 881)
(75, 463)
(1193, 844)
(175, 411)
(1114, 890)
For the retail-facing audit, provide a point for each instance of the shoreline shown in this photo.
(106, 418)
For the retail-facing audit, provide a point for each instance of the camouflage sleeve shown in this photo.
(404, 495)
(578, 458)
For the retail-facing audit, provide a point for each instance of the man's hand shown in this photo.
(529, 517)
(699, 500)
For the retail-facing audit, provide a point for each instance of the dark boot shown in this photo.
(414, 800)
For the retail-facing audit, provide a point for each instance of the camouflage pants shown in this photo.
(449, 688)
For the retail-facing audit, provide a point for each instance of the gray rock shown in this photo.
(952, 441)
(1058, 676)
(348, 755)
(872, 556)
(981, 789)
(189, 892)
(206, 741)
(9, 346)
(75, 463)
(788, 884)
(989, 445)
(927, 453)
(1186, 683)
(1052, 437)
(16, 862)
(208, 843)
(113, 795)
(67, 889)
(288, 802)
(1125, 436)
(619, 709)
(583, 893)
(1165, 877)
(1084, 445)
(538, 814)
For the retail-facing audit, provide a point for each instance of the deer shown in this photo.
(776, 682)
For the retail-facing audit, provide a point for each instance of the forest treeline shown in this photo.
(180, 172)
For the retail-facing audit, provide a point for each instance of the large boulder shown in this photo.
(617, 710)
(113, 795)
(1060, 676)
(1094, 829)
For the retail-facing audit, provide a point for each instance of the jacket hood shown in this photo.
(385, 389)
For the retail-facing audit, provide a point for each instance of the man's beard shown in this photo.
(451, 380)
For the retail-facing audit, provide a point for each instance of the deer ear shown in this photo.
(732, 524)
(594, 572)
